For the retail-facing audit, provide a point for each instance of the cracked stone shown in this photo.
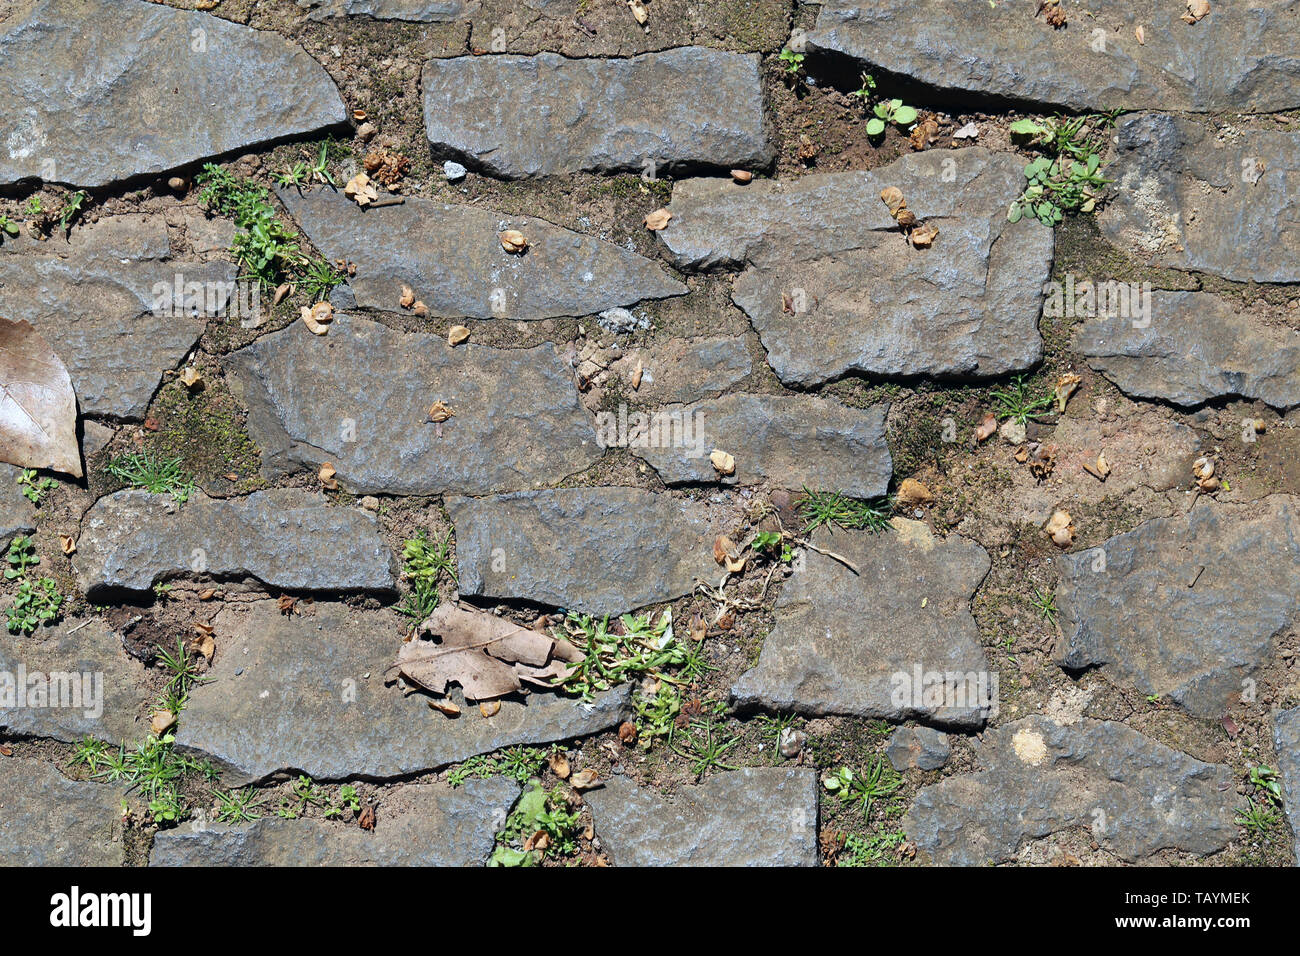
(832, 286)
(785, 441)
(107, 302)
(53, 821)
(422, 825)
(593, 550)
(1185, 607)
(1135, 795)
(1188, 197)
(91, 106)
(654, 113)
(327, 712)
(287, 538)
(451, 257)
(411, 11)
(755, 816)
(1239, 59)
(686, 370)
(90, 686)
(360, 396)
(895, 641)
(1196, 348)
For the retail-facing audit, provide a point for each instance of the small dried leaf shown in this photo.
(456, 335)
(723, 463)
(584, 780)
(440, 411)
(559, 765)
(1060, 528)
(407, 298)
(360, 190)
(205, 645)
(367, 818)
(489, 708)
(445, 707)
(722, 547)
(1196, 10)
(636, 375)
(985, 429)
(327, 479)
(1203, 468)
(190, 377)
(658, 219)
(68, 544)
(923, 133)
(1141, 35)
(741, 175)
(282, 290)
(38, 408)
(318, 317)
(892, 197)
(923, 236)
(513, 241)
(912, 493)
(161, 722)
(639, 11)
(207, 594)
(1066, 386)
(627, 732)
(420, 309)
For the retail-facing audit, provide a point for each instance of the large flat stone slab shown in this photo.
(1286, 738)
(685, 370)
(1185, 607)
(359, 397)
(655, 112)
(1197, 347)
(832, 286)
(593, 550)
(420, 825)
(50, 820)
(1239, 58)
(1135, 796)
(1186, 196)
(287, 538)
(98, 90)
(782, 440)
(307, 693)
(895, 640)
(104, 301)
(764, 816)
(411, 11)
(71, 681)
(452, 259)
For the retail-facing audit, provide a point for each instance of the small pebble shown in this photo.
(454, 172)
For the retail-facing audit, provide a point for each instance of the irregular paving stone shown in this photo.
(787, 441)
(452, 259)
(1286, 738)
(71, 681)
(832, 286)
(50, 820)
(654, 112)
(89, 106)
(307, 693)
(593, 550)
(359, 397)
(1135, 795)
(413, 11)
(422, 825)
(1196, 347)
(1185, 607)
(1239, 58)
(894, 641)
(755, 816)
(1191, 197)
(287, 538)
(686, 370)
(920, 748)
(115, 310)
(17, 515)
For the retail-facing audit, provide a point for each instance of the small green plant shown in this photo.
(424, 563)
(1019, 402)
(302, 795)
(890, 111)
(774, 544)
(22, 555)
(1258, 818)
(876, 781)
(167, 807)
(1045, 603)
(238, 806)
(35, 489)
(33, 207)
(867, 90)
(632, 649)
(183, 673)
(1265, 779)
(36, 603)
(819, 508)
(771, 728)
(265, 248)
(517, 763)
(541, 824)
(319, 280)
(8, 226)
(348, 800)
(791, 63)
(295, 175)
(873, 850)
(656, 714)
(71, 208)
(1057, 186)
(704, 747)
(88, 753)
(153, 474)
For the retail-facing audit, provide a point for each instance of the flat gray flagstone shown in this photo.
(1286, 738)
(360, 396)
(1133, 795)
(755, 816)
(307, 693)
(649, 113)
(50, 820)
(105, 90)
(452, 259)
(1239, 58)
(287, 538)
(1187, 196)
(413, 11)
(418, 825)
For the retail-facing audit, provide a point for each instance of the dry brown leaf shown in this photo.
(68, 544)
(440, 411)
(490, 708)
(698, 628)
(445, 707)
(1066, 386)
(38, 408)
(513, 241)
(893, 199)
(327, 478)
(1196, 10)
(360, 190)
(584, 780)
(559, 765)
(639, 11)
(318, 317)
(407, 298)
(487, 656)
(723, 463)
(985, 429)
(924, 131)
(923, 236)
(207, 594)
(1060, 528)
(741, 175)
(420, 310)
(161, 722)
(282, 290)
(204, 644)
(627, 732)
(658, 219)
(1141, 35)
(636, 375)
(456, 335)
(912, 493)
(367, 818)
(288, 605)
(722, 547)
(1098, 469)
(190, 377)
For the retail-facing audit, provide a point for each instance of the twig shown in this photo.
(830, 554)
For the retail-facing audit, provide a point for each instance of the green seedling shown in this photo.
(35, 489)
(890, 111)
(819, 508)
(876, 781)
(1018, 401)
(153, 474)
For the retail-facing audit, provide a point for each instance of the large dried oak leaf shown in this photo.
(38, 408)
